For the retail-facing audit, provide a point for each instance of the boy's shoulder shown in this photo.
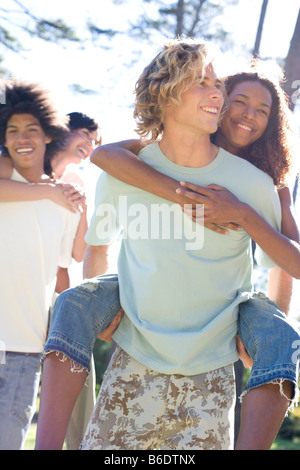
(242, 166)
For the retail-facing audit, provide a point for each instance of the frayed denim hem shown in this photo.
(276, 378)
(80, 357)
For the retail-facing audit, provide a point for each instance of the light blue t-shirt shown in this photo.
(180, 283)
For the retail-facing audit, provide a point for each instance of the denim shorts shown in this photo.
(272, 342)
(80, 314)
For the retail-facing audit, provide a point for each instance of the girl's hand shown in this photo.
(221, 208)
(76, 196)
(68, 196)
(243, 355)
(106, 335)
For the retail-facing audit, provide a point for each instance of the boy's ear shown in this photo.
(48, 139)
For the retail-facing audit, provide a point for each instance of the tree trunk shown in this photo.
(260, 28)
(292, 74)
(179, 14)
(292, 67)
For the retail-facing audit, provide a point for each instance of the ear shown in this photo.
(48, 139)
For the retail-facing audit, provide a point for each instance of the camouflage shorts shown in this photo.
(138, 408)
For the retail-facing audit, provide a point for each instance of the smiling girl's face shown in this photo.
(247, 117)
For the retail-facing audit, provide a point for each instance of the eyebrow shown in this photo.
(28, 125)
(247, 97)
(217, 81)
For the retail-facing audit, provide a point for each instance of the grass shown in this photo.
(285, 444)
(30, 441)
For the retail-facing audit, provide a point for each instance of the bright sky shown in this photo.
(95, 68)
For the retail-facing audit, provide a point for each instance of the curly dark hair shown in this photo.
(30, 98)
(273, 152)
(78, 120)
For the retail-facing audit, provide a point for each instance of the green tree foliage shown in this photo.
(180, 18)
(102, 355)
(22, 18)
(188, 18)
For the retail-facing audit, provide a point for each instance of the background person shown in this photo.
(36, 237)
(83, 135)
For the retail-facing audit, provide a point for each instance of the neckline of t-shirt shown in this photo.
(187, 169)
(16, 176)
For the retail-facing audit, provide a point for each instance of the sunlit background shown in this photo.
(105, 68)
(96, 75)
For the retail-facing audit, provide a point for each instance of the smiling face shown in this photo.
(201, 104)
(81, 144)
(247, 117)
(26, 142)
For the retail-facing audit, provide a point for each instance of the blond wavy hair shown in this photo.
(173, 70)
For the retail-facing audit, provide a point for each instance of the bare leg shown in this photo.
(59, 391)
(263, 410)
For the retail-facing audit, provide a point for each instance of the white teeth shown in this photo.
(82, 150)
(248, 129)
(25, 150)
(210, 109)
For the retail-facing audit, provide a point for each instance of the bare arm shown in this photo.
(14, 191)
(65, 195)
(96, 261)
(120, 160)
(280, 287)
(80, 245)
(222, 206)
(6, 167)
(78, 251)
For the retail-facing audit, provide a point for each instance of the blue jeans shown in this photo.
(19, 382)
(81, 313)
